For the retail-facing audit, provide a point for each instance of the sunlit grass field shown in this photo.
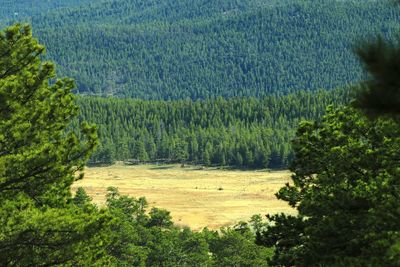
(197, 197)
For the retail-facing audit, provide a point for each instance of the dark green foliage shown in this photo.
(346, 191)
(38, 236)
(141, 239)
(159, 218)
(346, 178)
(81, 198)
(242, 132)
(22, 9)
(236, 247)
(200, 49)
(381, 93)
(38, 157)
(39, 160)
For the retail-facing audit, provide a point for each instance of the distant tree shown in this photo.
(239, 159)
(159, 218)
(206, 155)
(81, 197)
(180, 150)
(140, 151)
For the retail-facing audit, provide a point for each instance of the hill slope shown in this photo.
(21, 9)
(168, 49)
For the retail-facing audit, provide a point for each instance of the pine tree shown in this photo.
(81, 197)
(39, 160)
(207, 156)
(346, 185)
(380, 94)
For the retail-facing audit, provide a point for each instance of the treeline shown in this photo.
(42, 224)
(241, 132)
(202, 49)
(345, 183)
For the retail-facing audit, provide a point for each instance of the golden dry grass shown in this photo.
(193, 195)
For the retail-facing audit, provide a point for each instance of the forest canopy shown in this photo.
(238, 132)
(345, 163)
(42, 223)
(201, 49)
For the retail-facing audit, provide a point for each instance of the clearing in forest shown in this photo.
(196, 197)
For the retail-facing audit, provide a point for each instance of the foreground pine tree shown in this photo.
(346, 182)
(39, 160)
(346, 189)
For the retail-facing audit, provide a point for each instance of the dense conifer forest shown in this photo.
(22, 9)
(200, 49)
(41, 156)
(216, 83)
(241, 132)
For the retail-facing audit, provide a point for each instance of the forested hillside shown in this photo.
(242, 132)
(42, 224)
(21, 9)
(344, 188)
(198, 49)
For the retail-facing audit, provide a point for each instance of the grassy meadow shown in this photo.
(197, 197)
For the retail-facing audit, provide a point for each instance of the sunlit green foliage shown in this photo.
(346, 190)
(141, 239)
(41, 156)
(346, 185)
(39, 160)
(241, 132)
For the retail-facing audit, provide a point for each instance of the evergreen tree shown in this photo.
(346, 178)
(39, 160)
(381, 93)
(257, 129)
(204, 49)
(345, 187)
(81, 198)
